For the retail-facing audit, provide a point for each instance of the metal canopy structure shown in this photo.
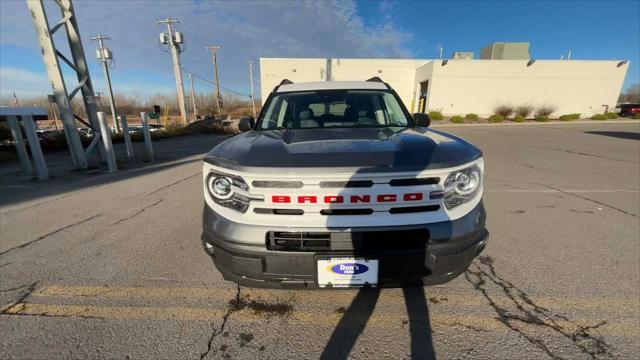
(51, 56)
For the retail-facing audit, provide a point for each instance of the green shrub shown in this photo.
(457, 119)
(636, 116)
(599, 117)
(472, 117)
(519, 118)
(545, 110)
(503, 110)
(569, 117)
(611, 115)
(435, 115)
(497, 118)
(524, 110)
(542, 118)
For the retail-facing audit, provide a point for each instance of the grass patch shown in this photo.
(519, 118)
(497, 118)
(457, 119)
(524, 110)
(545, 111)
(472, 117)
(435, 115)
(503, 110)
(542, 118)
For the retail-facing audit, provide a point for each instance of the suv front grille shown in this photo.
(388, 240)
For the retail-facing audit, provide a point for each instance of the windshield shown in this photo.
(333, 109)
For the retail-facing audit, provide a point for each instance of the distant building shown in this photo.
(506, 51)
(461, 86)
(463, 55)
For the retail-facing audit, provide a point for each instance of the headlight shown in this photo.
(462, 186)
(221, 189)
(221, 186)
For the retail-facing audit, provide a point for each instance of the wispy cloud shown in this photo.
(244, 29)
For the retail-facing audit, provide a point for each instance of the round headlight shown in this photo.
(221, 186)
(468, 181)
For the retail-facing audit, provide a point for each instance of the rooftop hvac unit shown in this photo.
(178, 37)
(163, 38)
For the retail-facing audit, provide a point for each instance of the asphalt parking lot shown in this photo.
(111, 266)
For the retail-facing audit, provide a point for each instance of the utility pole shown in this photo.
(214, 59)
(253, 102)
(174, 39)
(193, 97)
(106, 57)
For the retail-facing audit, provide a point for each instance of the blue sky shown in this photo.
(361, 29)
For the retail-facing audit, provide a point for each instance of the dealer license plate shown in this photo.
(347, 272)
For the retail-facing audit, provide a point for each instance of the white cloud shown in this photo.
(245, 30)
(24, 83)
(20, 75)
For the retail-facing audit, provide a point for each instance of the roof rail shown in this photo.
(283, 82)
(377, 79)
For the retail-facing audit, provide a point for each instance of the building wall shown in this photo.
(462, 87)
(506, 51)
(469, 86)
(399, 73)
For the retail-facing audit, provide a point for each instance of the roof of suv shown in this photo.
(332, 85)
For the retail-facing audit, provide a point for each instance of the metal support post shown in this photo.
(20, 148)
(253, 101)
(148, 147)
(127, 137)
(105, 134)
(34, 146)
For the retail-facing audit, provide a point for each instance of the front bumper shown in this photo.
(450, 248)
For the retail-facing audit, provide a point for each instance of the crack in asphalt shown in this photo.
(30, 289)
(234, 305)
(586, 154)
(528, 312)
(49, 234)
(172, 184)
(591, 200)
(136, 214)
(13, 289)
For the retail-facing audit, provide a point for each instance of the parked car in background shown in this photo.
(628, 109)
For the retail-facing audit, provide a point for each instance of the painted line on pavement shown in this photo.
(625, 328)
(334, 298)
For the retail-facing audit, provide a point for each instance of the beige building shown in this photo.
(458, 87)
(506, 51)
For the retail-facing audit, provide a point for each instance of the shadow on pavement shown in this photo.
(16, 188)
(617, 134)
(356, 316)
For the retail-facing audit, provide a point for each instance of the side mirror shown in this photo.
(246, 123)
(422, 119)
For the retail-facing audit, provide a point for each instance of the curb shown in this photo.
(579, 122)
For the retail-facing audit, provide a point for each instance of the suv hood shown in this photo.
(368, 149)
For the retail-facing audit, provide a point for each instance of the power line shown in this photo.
(195, 75)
